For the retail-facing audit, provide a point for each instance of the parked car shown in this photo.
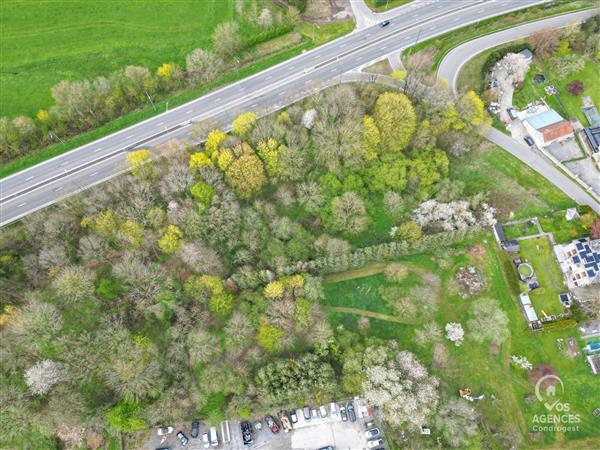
(258, 425)
(512, 113)
(385, 23)
(163, 431)
(246, 432)
(369, 425)
(214, 437)
(306, 411)
(329, 447)
(351, 413)
(323, 412)
(163, 448)
(205, 439)
(375, 443)
(293, 416)
(285, 421)
(272, 424)
(182, 438)
(313, 413)
(528, 140)
(343, 414)
(195, 429)
(333, 409)
(372, 433)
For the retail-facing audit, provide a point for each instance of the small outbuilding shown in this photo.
(571, 214)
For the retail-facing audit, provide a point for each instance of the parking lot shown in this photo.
(313, 434)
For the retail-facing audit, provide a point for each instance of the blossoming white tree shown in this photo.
(42, 376)
(455, 333)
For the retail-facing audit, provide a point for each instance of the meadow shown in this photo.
(509, 395)
(44, 42)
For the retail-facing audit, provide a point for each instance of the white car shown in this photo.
(313, 413)
(323, 412)
(163, 431)
(333, 409)
(375, 443)
(205, 440)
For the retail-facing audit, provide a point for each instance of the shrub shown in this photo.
(575, 87)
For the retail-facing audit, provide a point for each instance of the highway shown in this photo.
(276, 87)
(451, 66)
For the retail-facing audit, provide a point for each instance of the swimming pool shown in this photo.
(593, 347)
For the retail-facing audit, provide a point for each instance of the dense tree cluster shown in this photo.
(197, 276)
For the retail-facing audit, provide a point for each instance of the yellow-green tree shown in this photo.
(225, 159)
(472, 109)
(370, 139)
(213, 140)
(409, 231)
(171, 240)
(243, 124)
(221, 304)
(203, 194)
(137, 159)
(396, 120)
(246, 175)
(269, 152)
(199, 160)
(274, 290)
(269, 337)
(166, 71)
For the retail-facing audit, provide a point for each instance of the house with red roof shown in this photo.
(548, 127)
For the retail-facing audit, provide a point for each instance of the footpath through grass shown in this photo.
(441, 45)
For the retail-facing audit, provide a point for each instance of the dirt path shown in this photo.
(362, 312)
(365, 271)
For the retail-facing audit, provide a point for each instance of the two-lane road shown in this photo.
(47, 182)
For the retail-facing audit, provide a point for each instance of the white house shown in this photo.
(548, 127)
(579, 262)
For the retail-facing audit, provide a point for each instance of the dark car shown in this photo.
(182, 438)
(272, 424)
(246, 432)
(306, 411)
(329, 447)
(343, 414)
(372, 433)
(163, 448)
(293, 416)
(195, 429)
(512, 113)
(385, 23)
(528, 140)
(351, 414)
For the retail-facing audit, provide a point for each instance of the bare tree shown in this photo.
(458, 421)
(202, 66)
(544, 42)
(226, 39)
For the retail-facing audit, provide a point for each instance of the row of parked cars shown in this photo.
(210, 437)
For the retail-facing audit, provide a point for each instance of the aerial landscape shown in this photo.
(300, 224)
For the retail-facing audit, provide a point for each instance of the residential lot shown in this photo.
(306, 435)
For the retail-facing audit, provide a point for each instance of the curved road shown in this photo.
(454, 61)
(52, 180)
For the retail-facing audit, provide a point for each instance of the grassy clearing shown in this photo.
(473, 364)
(516, 190)
(538, 251)
(563, 230)
(385, 5)
(382, 67)
(446, 42)
(520, 230)
(567, 105)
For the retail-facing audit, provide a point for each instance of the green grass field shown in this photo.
(473, 364)
(44, 42)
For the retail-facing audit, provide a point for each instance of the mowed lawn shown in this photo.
(43, 42)
(509, 395)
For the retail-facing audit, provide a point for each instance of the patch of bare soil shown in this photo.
(440, 355)
(470, 281)
(494, 349)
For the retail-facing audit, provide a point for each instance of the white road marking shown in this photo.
(30, 178)
(64, 163)
(269, 77)
(189, 112)
(22, 204)
(333, 70)
(160, 124)
(98, 149)
(384, 47)
(217, 99)
(291, 68)
(60, 188)
(93, 174)
(343, 45)
(129, 137)
(254, 105)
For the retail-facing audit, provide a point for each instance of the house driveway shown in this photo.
(565, 150)
(585, 170)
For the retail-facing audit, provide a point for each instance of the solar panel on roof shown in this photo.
(579, 246)
(590, 273)
(576, 259)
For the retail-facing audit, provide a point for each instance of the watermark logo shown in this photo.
(549, 389)
(545, 391)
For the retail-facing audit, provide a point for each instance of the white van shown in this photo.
(214, 439)
(333, 408)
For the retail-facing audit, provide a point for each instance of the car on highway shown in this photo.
(375, 443)
(293, 416)
(329, 447)
(306, 412)
(272, 424)
(385, 23)
(351, 413)
(343, 414)
(528, 140)
(205, 440)
(372, 433)
(323, 412)
(163, 431)
(182, 438)
(195, 429)
(246, 432)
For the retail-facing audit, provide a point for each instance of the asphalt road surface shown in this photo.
(52, 180)
(454, 61)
